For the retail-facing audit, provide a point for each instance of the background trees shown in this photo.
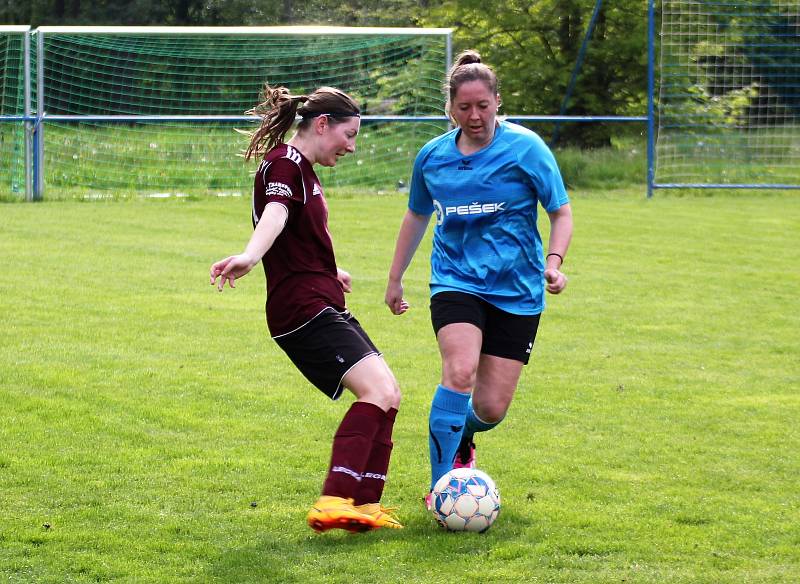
(533, 45)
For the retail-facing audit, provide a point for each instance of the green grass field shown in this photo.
(150, 431)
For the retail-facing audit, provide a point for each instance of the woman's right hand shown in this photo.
(394, 297)
(229, 269)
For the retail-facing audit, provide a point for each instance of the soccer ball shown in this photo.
(465, 499)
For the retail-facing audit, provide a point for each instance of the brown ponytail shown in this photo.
(277, 111)
(279, 108)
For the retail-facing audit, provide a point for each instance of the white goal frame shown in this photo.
(40, 118)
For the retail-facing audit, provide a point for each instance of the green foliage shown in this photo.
(208, 13)
(534, 46)
(407, 91)
(738, 68)
(652, 439)
(724, 110)
(621, 165)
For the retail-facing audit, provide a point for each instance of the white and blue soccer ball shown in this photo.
(465, 499)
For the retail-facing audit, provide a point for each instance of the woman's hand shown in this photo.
(560, 236)
(394, 297)
(345, 279)
(556, 280)
(230, 268)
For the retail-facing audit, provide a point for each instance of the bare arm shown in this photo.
(411, 231)
(272, 222)
(560, 236)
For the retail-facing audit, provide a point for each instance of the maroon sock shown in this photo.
(371, 487)
(351, 448)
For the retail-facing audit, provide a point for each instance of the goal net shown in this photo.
(729, 98)
(183, 92)
(12, 108)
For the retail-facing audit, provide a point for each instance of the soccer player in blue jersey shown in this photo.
(483, 180)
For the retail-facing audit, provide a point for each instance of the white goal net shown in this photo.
(728, 107)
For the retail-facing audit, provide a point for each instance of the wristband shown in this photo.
(558, 255)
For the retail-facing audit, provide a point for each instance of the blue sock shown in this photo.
(445, 424)
(474, 424)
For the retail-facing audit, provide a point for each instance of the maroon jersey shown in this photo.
(300, 267)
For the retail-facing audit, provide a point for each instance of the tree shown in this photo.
(532, 44)
(208, 12)
(533, 47)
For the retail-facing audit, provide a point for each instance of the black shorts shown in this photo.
(504, 334)
(326, 348)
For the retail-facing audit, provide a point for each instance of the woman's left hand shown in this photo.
(556, 280)
(345, 279)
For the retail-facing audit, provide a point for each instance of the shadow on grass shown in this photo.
(381, 556)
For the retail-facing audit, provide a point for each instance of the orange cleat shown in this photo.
(383, 516)
(338, 513)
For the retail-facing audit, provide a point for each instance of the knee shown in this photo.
(491, 413)
(389, 393)
(394, 397)
(460, 375)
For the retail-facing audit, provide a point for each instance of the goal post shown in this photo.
(155, 109)
(726, 110)
(15, 111)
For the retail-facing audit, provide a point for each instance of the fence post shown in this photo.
(27, 125)
(651, 55)
(38, 127)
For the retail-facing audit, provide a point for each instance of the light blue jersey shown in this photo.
(486, 241)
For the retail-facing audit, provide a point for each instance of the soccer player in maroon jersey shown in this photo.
(306, 311)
